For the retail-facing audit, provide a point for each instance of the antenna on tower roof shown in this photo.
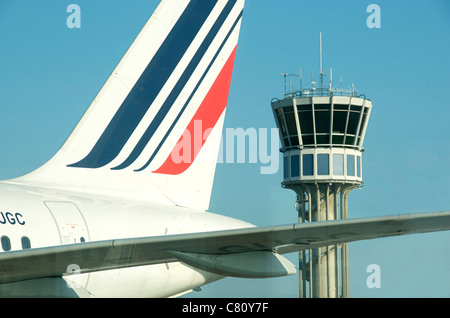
(285, 84)
(321, 66)
(301, 78)
(321, 69)
(331, 79)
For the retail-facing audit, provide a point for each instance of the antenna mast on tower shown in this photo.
(321, 68)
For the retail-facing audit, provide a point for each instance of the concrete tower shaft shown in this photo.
(323, 271)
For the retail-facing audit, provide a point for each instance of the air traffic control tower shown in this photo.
(322, 132)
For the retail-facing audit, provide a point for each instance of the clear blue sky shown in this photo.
(49, 75)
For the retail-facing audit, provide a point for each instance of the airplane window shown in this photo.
(6, 243)
(26, 244)
(82, 240)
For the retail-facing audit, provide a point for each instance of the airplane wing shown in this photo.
(120, 253)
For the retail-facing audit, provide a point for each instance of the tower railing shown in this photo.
(324, 91)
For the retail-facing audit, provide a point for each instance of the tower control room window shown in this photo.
(322, 116)
(291, 125)
(351, 165)
(353, 123)
(339, 121)
(295, 166)
(308, 165)
(286, 168)
(323, 164)
(305, 117)
(338, 164)
(283, 130)
(340, 114)
(358, 166)
(363, 125)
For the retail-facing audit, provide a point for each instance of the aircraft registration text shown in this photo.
(11, 218)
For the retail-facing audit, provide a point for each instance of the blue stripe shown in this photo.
(190, 97)
(178, 88)
(148, 86)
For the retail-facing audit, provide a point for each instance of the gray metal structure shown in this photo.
(322, 132)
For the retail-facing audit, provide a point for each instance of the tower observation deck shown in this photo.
(322, 132)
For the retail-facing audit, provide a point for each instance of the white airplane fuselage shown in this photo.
(46, 217)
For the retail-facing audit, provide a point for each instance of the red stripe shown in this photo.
(206, 117)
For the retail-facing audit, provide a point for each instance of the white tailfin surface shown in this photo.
(153, 132)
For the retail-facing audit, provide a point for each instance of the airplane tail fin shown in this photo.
(153, 132)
